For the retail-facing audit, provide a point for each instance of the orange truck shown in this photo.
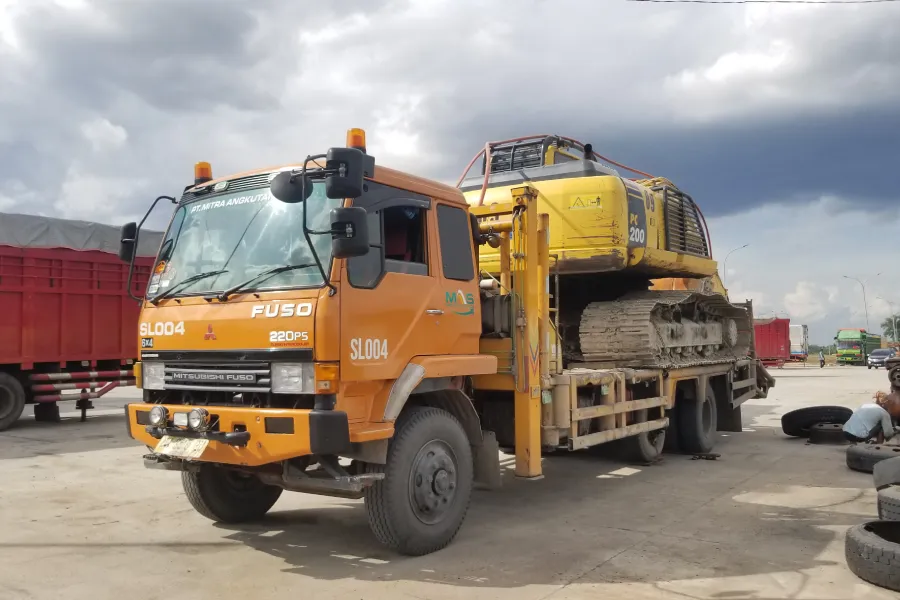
(340, 328)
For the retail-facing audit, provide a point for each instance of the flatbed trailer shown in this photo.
(584, 405)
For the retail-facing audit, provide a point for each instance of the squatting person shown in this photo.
(874, 419)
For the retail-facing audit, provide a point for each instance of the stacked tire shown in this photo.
(872, 549)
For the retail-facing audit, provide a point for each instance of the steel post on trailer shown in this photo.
(526, 267)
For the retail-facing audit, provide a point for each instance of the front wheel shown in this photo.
(228, 496)
(420, 504)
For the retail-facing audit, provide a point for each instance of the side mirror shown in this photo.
(127, 242)
(349, 232)
(353, 166)
(290, 189)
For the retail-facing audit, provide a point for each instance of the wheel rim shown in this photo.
(433, 482)
(241, 483)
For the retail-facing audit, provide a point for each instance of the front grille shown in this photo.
(238, 378)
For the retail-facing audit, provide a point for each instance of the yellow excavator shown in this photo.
(633, 275)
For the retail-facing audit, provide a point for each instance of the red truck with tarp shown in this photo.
(773, 340)
(67, 322)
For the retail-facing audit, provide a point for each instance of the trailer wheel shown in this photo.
(872, 551)
(226, 496)
(697, 423)
(889, 504)
(12, 400)
(420, 504)
(644, 447)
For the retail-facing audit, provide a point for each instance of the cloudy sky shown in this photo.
(783, 122)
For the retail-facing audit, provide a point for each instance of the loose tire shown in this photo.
(887, 473)
(872, 551)
(12, 400)
(697, 423)
(645, 447)
(797, 423)
(422, 501)
(864, 457)
(889, 505)
(226, 496)
(827, 433)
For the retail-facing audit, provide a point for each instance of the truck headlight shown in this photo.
(154, 375)
(198, 419)
(158, 416)
(293, 378)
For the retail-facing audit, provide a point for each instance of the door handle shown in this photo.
(434, 311)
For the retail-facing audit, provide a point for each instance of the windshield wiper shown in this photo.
(268, 273)
(184, 283)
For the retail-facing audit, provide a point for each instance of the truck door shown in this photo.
(394, 305)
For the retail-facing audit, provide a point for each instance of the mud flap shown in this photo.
(487, 463)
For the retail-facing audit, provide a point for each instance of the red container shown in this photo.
(60, 306)
(68, 328)
(773, 340)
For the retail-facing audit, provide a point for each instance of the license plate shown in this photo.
(178, 447)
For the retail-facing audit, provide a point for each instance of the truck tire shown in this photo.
(864, 457)
(226, 496)
(872, 551)
(796, 423)
(644, 447)
(889, 504)
(422, 501)
(886, 473)
(697, 423)
(12, 400)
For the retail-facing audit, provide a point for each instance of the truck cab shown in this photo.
(291, 314)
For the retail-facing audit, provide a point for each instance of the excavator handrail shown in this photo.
(486, 151)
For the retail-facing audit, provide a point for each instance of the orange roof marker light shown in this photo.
(356, 138)
(202, 172)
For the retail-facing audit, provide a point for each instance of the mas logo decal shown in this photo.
(461, 304)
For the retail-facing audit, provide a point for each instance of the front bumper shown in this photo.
(250, 436)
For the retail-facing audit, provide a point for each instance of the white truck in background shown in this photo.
(799, 343)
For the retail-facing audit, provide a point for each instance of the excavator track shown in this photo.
(664, 329)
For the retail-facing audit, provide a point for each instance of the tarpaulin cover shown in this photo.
(31, 231)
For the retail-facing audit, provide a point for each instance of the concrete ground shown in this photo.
(80, 518)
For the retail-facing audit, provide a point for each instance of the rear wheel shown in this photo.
(228, 496)
(644, 447)
(420, 504)
(697, 423)
(12, 400)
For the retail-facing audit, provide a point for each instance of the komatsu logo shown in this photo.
(286, 309)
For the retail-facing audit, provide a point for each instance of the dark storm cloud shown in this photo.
(732, 168)
(246, 83)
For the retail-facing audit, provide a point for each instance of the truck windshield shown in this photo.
(848, 345)
(223, 240)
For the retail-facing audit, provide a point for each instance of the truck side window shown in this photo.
(404, 240)
(456, 243)
(398, 242)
